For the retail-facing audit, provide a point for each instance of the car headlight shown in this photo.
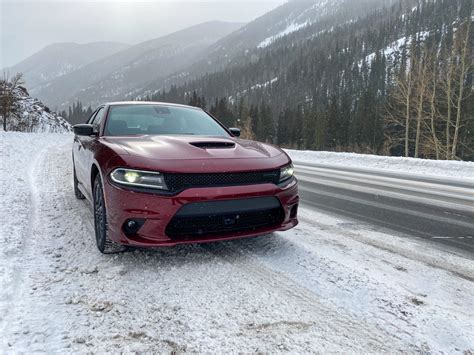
(139, 178)
(286, 172)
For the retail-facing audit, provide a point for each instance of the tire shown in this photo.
(104, 243)
(77, 192)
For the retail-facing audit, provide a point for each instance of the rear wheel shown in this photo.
(77, 192)
(104, 243)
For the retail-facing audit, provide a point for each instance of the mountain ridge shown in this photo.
(116, 75)
(242, 46)
(57, 59)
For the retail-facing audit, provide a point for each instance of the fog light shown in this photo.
(131, 226)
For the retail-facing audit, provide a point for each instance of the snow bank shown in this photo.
(452, 169)
(31, 115)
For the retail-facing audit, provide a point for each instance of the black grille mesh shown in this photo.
(189, 227)
(178, 182)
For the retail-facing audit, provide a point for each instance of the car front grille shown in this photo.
(223, 217)
(179, 182)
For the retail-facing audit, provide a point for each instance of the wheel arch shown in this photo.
(94, 172)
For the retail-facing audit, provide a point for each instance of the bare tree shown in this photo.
(462, 47)
(399, 112)
(433, 110)
(7, 94)
(421, 85)
(246, 131)
(449, 103)
(428, 109)
(429, 100)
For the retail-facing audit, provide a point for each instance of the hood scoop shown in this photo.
(213, 145)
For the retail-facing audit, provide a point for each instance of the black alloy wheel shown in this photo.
(104, 243)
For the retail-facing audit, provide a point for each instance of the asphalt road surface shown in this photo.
(414, 206)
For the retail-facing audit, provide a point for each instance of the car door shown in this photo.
(91, 145)
(81, 144)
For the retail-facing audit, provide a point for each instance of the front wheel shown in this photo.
(104, 243)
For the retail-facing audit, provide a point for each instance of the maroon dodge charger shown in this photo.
(162, 174)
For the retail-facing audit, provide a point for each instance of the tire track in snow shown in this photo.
(360, 334)
(29, 321)
(10, 314)
(382, 301)
(446, 262)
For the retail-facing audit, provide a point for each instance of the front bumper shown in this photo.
(157, 211)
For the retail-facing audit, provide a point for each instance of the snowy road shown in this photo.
(438, 209)
(331, 284)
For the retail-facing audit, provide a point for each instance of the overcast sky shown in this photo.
(28, 26)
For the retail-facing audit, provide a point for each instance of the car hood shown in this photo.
(196, 153)
(192, 147)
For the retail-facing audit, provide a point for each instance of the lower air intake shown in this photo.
(223, 217)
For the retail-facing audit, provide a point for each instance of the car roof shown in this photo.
(119, 103)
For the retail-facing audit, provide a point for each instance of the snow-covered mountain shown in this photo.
(60, 59)
(118, 75)
(302, 19)
(333, 87)
(31, 115)
(285, 19)
(192, 52)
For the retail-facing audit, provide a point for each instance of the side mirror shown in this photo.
(235, 131)
(83, 129)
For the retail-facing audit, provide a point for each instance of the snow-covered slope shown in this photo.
(31, 115)
(291, 17)
(302, 19)
(392, 51)
(60, 59)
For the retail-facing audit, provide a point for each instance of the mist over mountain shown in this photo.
(120, 74)
(300, 19)
(59, 59)
(186, 54)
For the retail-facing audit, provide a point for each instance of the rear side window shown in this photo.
(149, 119)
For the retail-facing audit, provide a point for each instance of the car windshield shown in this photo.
(136, 119)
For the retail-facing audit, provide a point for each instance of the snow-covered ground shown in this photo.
(451, 169)
(394, 49)
(293, 27)
(328, 285)
(31, 115)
